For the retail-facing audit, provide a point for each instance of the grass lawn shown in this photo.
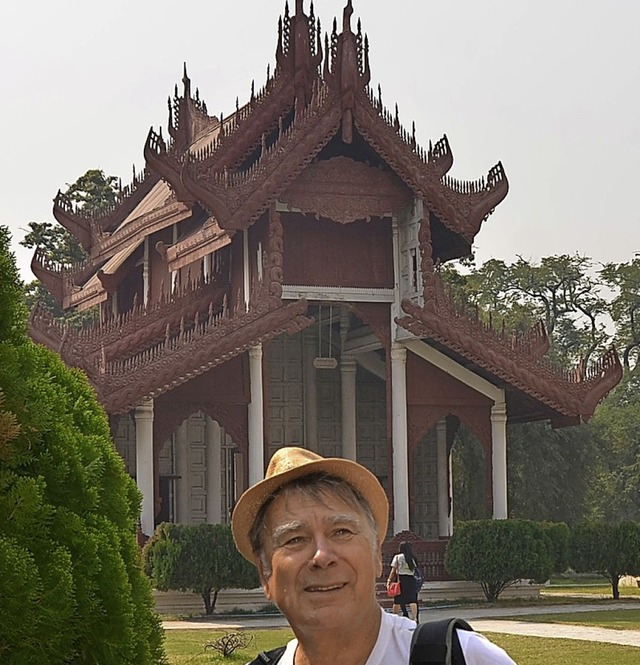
(602, 588)
(540, 651)
(187, 646)
(615, 619)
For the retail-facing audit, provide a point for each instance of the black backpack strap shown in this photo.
(436, 643)
(268, 657)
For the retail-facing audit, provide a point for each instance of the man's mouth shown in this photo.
(316, 588)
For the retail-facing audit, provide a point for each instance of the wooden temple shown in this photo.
(271, 279)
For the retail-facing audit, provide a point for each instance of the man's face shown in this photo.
(324, 561)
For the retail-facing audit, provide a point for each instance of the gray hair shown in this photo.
(317, 486)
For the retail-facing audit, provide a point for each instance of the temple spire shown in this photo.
(186, 82)
(346, 17)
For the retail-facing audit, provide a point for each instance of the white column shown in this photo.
(399, 438)
(349, 434)
(256, 417)
(246, 270)
(145, 274)
(310, 392)
(144, 464)
(183, 486)
(499, 459)
(214, 472)
(443, 464)
(206, 267)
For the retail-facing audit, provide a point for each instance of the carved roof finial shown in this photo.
(187, 82)
(346, 17)
(299, 6)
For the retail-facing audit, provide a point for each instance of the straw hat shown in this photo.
(289, 463)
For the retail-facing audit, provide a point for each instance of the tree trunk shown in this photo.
(208, 605)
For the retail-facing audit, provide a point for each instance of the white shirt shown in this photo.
(400, 565)
(394, 641)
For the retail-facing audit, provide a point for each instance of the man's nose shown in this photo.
(324, 554)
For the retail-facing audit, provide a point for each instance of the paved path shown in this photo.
(562, 631)
(482, 619)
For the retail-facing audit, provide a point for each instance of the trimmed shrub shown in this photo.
(197, 557)
(612, 550)
(499, 553)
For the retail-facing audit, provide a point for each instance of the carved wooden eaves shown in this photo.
(575, 396)
(153, 374)
(206, 240)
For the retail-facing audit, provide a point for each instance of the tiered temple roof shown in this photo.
(316, 126)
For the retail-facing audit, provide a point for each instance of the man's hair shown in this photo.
(317, 486)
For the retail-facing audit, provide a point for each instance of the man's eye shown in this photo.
(343, 532)
(295, 540)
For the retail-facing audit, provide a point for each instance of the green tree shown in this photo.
(616, 424)
(563, 291)
(201, 558)
(499, 553)
(612, 550)
(93, 193)
(468, 462)
(72, 588)
(12, 310)
(624, 280)
(554, 474)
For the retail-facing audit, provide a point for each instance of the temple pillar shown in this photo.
(256, 417)
(145, 274)
(310, 391)
(246, 272)
(348, 383)
(499, 459)
(443, 462)
(213, 436)
(183, 491)
(399, 432)
(144, 464)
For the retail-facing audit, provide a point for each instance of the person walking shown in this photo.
(403, 568)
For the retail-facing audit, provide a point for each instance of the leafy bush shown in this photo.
(201, 558)
(612, 550)
(72, 588)
(559, 537)
(499, 553)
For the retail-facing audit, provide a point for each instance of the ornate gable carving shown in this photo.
(344, 191)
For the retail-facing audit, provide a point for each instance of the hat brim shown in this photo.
(361, 479)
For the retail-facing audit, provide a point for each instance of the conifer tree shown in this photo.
(72, 588)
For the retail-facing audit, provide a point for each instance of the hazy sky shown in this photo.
(549, 87)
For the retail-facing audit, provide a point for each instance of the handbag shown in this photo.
(393, 589)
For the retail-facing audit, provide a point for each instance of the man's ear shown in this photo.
(264, 580)
(379, 559)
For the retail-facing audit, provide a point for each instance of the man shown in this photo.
(314, 528)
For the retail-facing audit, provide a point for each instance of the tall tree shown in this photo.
(93, 192)
(624, 280)
(617, 426)
(72, 585)
(561, 290)
(552, 473)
